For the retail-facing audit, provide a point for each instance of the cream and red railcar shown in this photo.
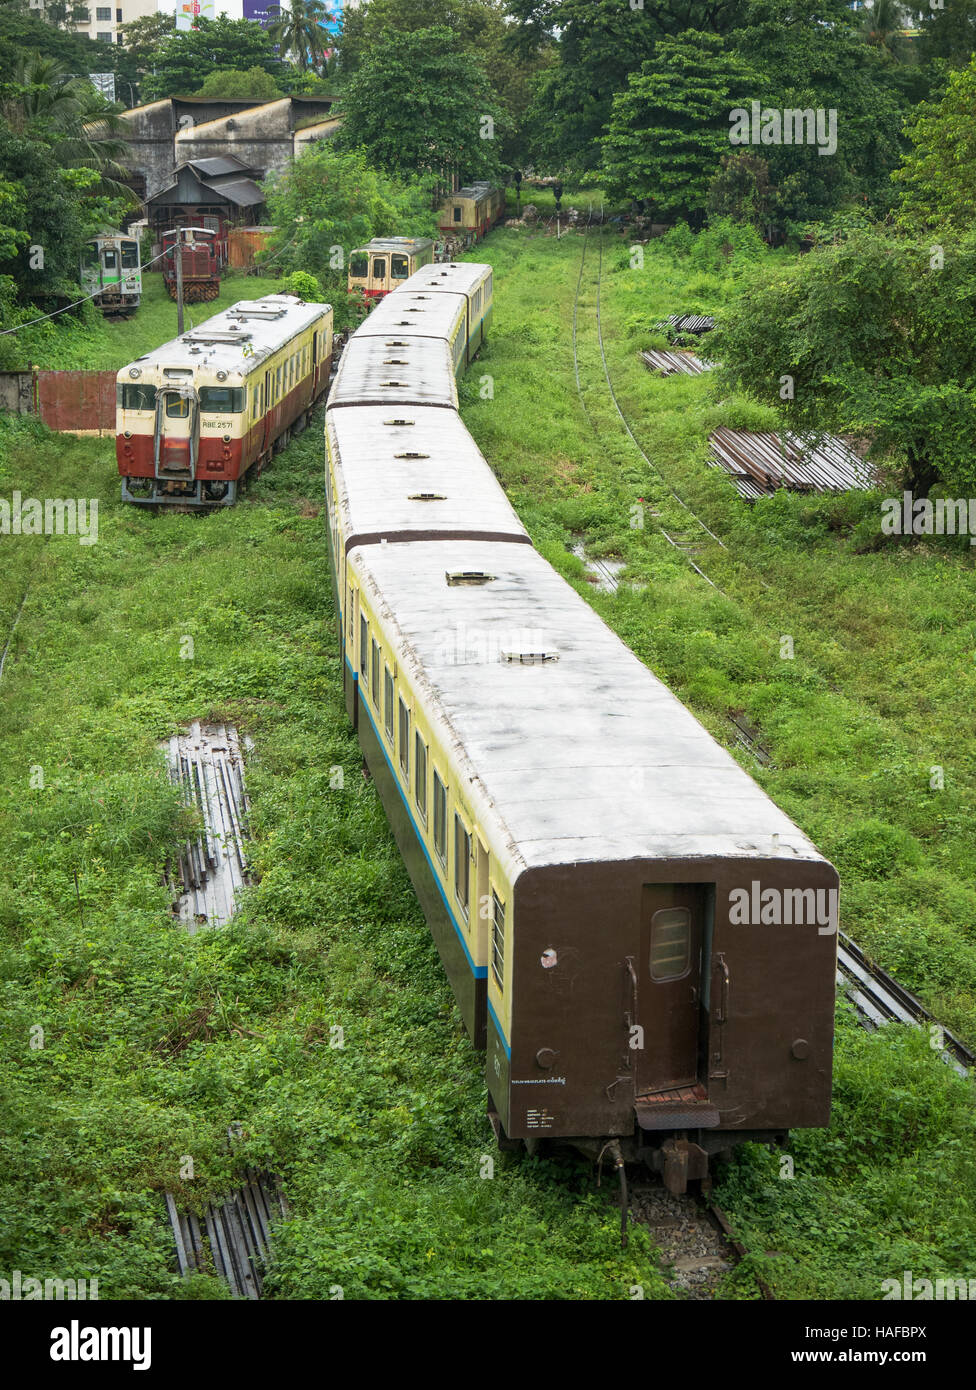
(197, 414)
(385, 263)
(640, 939)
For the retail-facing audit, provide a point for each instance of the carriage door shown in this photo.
(377, 281)
(669, 979)
(177, 431)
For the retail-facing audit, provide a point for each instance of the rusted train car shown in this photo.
(197, 414)
(641, 941)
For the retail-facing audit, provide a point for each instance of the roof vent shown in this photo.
(411, 455)
(520, 657)
(394, 383)
(426, 497)
(397, 342)
(456, 577)
(399, 422)
(395, 362)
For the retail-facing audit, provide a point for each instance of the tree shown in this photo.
(330, 201)
(23, 31)
(882, 27)
(938, 177)
(300, 30)
(948, 32)
(595, 45)
(254, 84)
(876, 336)
(45, 102)
(446, 115)
(670, 126)
(741, 189)
(184, 60)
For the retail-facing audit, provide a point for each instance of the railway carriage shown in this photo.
(111, 273)
(471, 212)
(385, 263)
(643, 943)
(197, 414)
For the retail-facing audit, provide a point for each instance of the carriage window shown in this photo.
(420, 775)
(177, 407)
(498, 939)
(226, 399)
(670, 943)
(363, 644)
(405, 739)
(440, 819)
(457, 214)
(399, 267)
(462, 863)
(352, 613)
(130, 255)
(376, 674)
(138, 398)
(359, 267)
(388, 702)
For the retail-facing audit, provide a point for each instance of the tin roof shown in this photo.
(397, 474)
(395, 243)
(238, 339)
(584, 756)
(455, 277)
(416, 312)
(370, 373)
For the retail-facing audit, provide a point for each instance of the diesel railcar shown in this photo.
(386, 262)
(197, 414)
(471, 212)
(641, 941)
(111, 272)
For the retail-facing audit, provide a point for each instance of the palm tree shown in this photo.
(46, 102)
(301, 30)
(883, 26)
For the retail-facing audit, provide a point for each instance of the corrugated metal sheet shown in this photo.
(208, 764)
(759, 463)
(235, 1237)
(77, 402)
(687, 323)
(672, 363)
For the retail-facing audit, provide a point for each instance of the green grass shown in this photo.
(155, 1042)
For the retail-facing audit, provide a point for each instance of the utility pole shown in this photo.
(177, 249)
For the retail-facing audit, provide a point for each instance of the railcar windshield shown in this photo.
(399, 267)
(141, 397)
(130, 255)
(89, 257)
(227, 399)
(359, 267)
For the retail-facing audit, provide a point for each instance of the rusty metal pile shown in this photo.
(687, 323)
(208, 764)
(673, 363)
(759, 464)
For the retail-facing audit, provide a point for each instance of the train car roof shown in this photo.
(455, 277)
(415, 311)
(422, 477)
(395, 243)
(421, 374)
(582, 758)
(259, 325)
